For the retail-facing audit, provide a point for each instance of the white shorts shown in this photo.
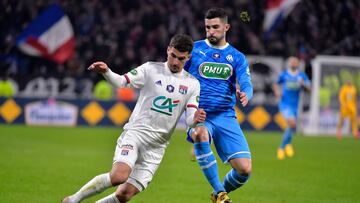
(143, 158)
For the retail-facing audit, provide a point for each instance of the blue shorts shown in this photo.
(288, 111)
(227, 135)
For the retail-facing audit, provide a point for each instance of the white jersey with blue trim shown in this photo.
(163, 98)
(217, 69)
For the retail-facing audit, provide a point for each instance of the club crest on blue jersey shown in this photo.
(170, 88)
(183, 89)
(230, 58)
(158, 83)
(216, 55)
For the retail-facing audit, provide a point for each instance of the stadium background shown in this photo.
(125, 34)
(128, 33)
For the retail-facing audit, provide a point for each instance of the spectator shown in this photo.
(127, 33)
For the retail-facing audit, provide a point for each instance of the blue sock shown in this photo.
(207, 162)
(292, 131)
(287, 137)
(234, 180)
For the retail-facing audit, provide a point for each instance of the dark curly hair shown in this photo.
(182, 43)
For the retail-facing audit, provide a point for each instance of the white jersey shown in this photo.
(163, 98)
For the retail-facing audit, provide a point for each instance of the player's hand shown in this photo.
(242, 97)
(99, 67)
(199, 116)
(301, 82)
(277, 97)
(303, 85)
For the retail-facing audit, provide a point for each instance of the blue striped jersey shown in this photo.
(218, 69)
(291, 87)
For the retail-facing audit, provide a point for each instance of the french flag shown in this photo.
(50, 35)
(275, 12)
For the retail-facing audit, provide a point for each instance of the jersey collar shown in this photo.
(292, 73)
(216, 47)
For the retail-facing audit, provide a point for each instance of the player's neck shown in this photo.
(175, 73)
(293, 72)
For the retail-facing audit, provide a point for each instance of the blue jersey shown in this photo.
(291, 87)
(217, 70)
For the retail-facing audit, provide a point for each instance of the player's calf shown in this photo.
(125, 192)
(96, 185)
(233, 180)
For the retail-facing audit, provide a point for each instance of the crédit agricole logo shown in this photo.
(164, 105)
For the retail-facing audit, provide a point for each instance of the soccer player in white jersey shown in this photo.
(166, 91)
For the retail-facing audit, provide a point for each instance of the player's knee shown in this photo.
(200, 134)
(119, 173)
(117, 177)
(245, 171)
(292, 123)
(245, 168)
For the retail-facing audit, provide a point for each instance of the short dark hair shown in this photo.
(182, 43)
(217, 13)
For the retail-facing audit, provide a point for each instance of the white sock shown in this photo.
(109, 199)
(97, 185)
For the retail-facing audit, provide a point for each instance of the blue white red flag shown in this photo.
(49, 35)
(275, 12)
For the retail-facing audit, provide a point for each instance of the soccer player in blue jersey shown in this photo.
(218, 65)
(292, 81)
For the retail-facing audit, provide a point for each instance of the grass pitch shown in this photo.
(43, 164)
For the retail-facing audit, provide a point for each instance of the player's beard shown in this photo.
(213, 40)
(294, 69)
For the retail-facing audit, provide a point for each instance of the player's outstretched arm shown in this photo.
(114, 79)
(99, 67)
(277, 91)
(244, 90)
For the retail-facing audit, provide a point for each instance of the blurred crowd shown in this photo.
(126, 33)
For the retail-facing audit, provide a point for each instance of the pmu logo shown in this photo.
(164, 105)
(213, 70)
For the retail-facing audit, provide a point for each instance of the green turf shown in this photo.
(43, 164)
